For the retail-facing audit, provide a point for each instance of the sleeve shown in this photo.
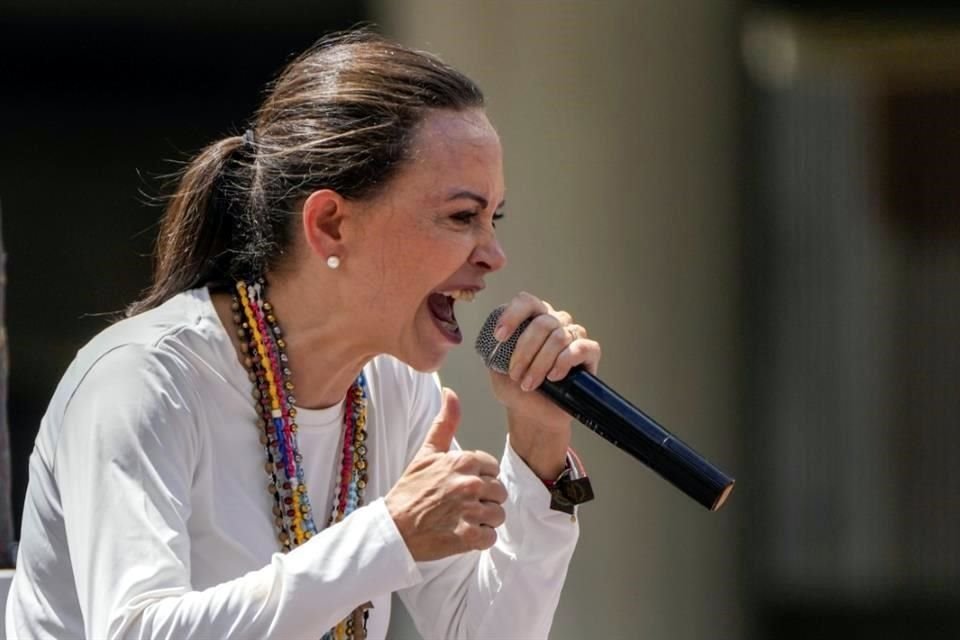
(510, 590)
(124, 469)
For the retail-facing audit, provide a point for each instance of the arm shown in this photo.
(510, 589)
(124, 467)
(513, 587)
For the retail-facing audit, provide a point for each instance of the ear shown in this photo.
(323, 217)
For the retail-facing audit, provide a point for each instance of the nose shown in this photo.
(489, 255)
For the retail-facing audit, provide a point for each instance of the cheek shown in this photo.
(423, 260)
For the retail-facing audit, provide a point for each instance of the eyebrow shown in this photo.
(476, 198)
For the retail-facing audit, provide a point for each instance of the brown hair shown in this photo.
(341, 116)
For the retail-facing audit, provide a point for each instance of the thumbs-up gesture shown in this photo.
(447, 502)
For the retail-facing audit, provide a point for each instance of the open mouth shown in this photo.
(441, 308)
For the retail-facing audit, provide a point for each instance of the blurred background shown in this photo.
(752, 205)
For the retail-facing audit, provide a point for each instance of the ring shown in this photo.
(572, 330)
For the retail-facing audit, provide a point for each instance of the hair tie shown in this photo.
(249, 142)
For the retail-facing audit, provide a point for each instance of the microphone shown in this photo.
(603, 410)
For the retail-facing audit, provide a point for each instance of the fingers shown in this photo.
(538, 349)
(476, 463)
(549, 346)
(475, 537)
(486, 489)
(523, 306)
(479, 518)
(580, 352)
(448, 503)
(444, 428)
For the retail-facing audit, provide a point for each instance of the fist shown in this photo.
(548, 348)
(447, 502)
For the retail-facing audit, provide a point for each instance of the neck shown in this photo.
(323, 344)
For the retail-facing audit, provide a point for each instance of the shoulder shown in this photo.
(136, 389)
(182, 321)
(141, 361)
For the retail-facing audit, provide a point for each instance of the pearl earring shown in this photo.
(333, 262)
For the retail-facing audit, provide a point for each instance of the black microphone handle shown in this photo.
(603, 410)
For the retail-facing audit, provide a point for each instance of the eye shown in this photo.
(469, 217)
(464, 217)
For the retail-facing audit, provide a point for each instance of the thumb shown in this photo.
(444, 427)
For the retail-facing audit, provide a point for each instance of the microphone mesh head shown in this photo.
(496, 355)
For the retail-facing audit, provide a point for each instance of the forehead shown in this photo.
(454, 151)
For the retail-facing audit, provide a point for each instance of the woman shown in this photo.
(260, 449)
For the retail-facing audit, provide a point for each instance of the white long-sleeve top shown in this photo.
(147, 512)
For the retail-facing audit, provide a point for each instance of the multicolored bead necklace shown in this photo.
(265, 358)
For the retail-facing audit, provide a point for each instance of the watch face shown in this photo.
(567, 493)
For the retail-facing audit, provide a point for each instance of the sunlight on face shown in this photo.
(431, 231)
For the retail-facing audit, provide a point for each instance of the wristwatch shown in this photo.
(572, 486)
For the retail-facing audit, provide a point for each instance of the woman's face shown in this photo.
(428, 240)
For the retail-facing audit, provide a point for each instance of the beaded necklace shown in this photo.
(265, 357)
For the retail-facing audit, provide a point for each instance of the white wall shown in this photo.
(619, 124)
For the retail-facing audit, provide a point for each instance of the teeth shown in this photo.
(464, 295)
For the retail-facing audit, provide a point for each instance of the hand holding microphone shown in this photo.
(580, 394)
(550, 345)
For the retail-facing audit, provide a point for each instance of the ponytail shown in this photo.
(194, 243)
